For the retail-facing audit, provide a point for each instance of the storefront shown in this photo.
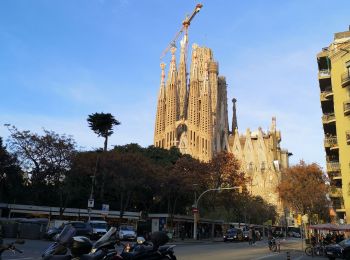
(180, 226)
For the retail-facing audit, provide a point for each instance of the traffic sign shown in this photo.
(105, 209)
(195, 210)
(91, 203)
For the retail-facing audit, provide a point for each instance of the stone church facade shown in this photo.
(192, 115)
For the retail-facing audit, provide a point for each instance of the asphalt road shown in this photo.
(32, 249)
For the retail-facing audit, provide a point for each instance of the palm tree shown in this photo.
(102, 125)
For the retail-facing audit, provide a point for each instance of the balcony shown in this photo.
(335, 192)
(345, 79)
(341, 209)
(326, 94)
(338, 204)
(324, 74)
(347, 137)
(346, 108)
(335, 175)
(328, 118)
(333, 167)
(331, 142)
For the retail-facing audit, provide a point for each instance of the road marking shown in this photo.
(265, 256)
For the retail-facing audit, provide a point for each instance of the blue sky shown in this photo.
(62, 60)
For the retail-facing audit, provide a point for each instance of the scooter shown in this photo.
(154, 250)
(11, 247)
(68, 246)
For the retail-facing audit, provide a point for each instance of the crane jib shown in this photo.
(186, 24)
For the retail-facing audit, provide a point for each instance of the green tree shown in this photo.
(11, 177)
(102, 125)
(47, 160)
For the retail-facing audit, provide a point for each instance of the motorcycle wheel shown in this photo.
(308, 251)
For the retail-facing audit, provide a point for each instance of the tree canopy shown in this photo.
(128, 178)
(304, 190)
(102, 124)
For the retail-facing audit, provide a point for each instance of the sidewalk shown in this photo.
(178, 241)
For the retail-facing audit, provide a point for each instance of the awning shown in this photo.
(330, 227)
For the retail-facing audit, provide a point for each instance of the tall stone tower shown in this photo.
(192, 113)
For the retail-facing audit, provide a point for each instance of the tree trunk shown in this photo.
(103, 173)
(105, 144)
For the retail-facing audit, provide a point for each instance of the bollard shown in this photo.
(288, 255)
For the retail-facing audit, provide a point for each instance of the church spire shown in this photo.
(162, 81)
(172, 106)
(234, 116)
(160, 117)
(182, 79)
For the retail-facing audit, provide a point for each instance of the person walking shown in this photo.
(250, 236)
(253, 236)
(182, 232)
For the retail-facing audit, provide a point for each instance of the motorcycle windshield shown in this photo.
(66, 234)
(105, 238)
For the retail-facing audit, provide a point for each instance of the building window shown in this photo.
(250, 167)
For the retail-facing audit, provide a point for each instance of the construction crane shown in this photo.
(185, 24)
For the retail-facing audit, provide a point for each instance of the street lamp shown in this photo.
(195, 206)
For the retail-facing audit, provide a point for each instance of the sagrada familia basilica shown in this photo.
(192, 115)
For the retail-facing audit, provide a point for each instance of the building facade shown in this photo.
(334, 82)
(262, 160)
(192, 115)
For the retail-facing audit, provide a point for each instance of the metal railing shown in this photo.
(333, 166)
(328, 117)
(324, 73)
(347, 137)
(346, 105)
(326, 93)
(335, 192)
(335, 175)
(331, 141)
(345, 79)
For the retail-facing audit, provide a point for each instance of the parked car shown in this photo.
(82, 229)
(296, 234)
(126, 232)
(233, 234)
(245, 235)
(99, 228)
(340, 250)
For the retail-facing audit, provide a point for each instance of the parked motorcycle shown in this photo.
(154, 250)
(68, 246)
(10, 247)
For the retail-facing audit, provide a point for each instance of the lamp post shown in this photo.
(195, 206)
(91, 199)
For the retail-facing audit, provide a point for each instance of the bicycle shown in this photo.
(273, 245)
